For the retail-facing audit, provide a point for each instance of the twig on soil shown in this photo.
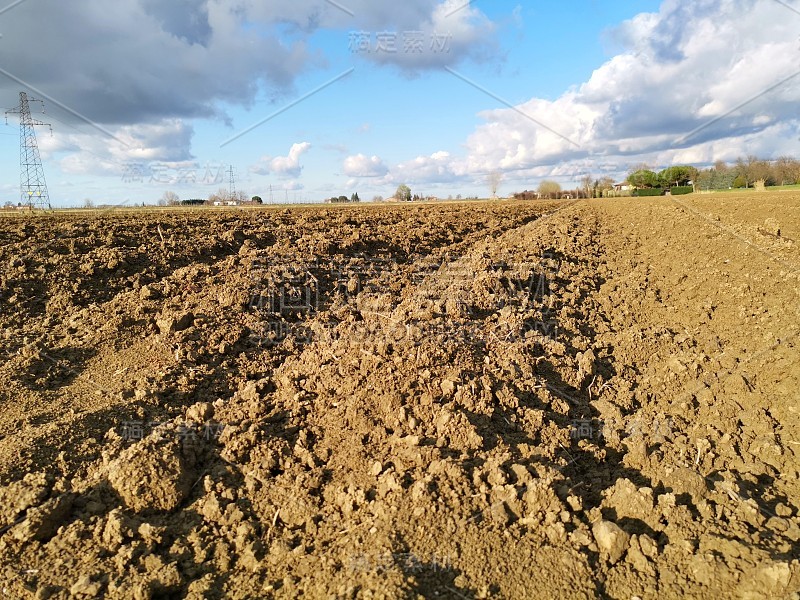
(349, 529)
(580, 483)
(731, 494)
(161, 235)
(560, 394)
(274, 521)
(777, 236)
(203, 474)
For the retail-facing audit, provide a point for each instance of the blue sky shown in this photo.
(143, 100)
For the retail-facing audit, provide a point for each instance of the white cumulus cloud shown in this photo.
(283, 166)
(698, 81)
(361, 165)
(167, 142)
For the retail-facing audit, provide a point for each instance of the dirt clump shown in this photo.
(151, 476)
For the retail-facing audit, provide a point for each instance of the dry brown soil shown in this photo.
(510, 400)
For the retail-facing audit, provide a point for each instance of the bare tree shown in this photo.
(759, 170)
(752, 169)
(604, 184)
(642, 166)
(786, 170)
(586, 184)
(221, 195)
(549, 188)
(495, 179)
(169, 199)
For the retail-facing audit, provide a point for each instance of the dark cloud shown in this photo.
(185, 19)
(140, 61)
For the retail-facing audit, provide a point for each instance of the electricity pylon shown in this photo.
(232, 187)
(33, 188)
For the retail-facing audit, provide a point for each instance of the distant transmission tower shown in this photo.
(33, 188)
(232, 182)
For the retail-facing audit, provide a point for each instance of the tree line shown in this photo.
(750, 172)
(744, 173)
(343, 199)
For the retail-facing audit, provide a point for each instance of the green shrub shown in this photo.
(740, 182)
(681, 190)
(648, 192)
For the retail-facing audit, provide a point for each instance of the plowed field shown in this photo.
(508, 400)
